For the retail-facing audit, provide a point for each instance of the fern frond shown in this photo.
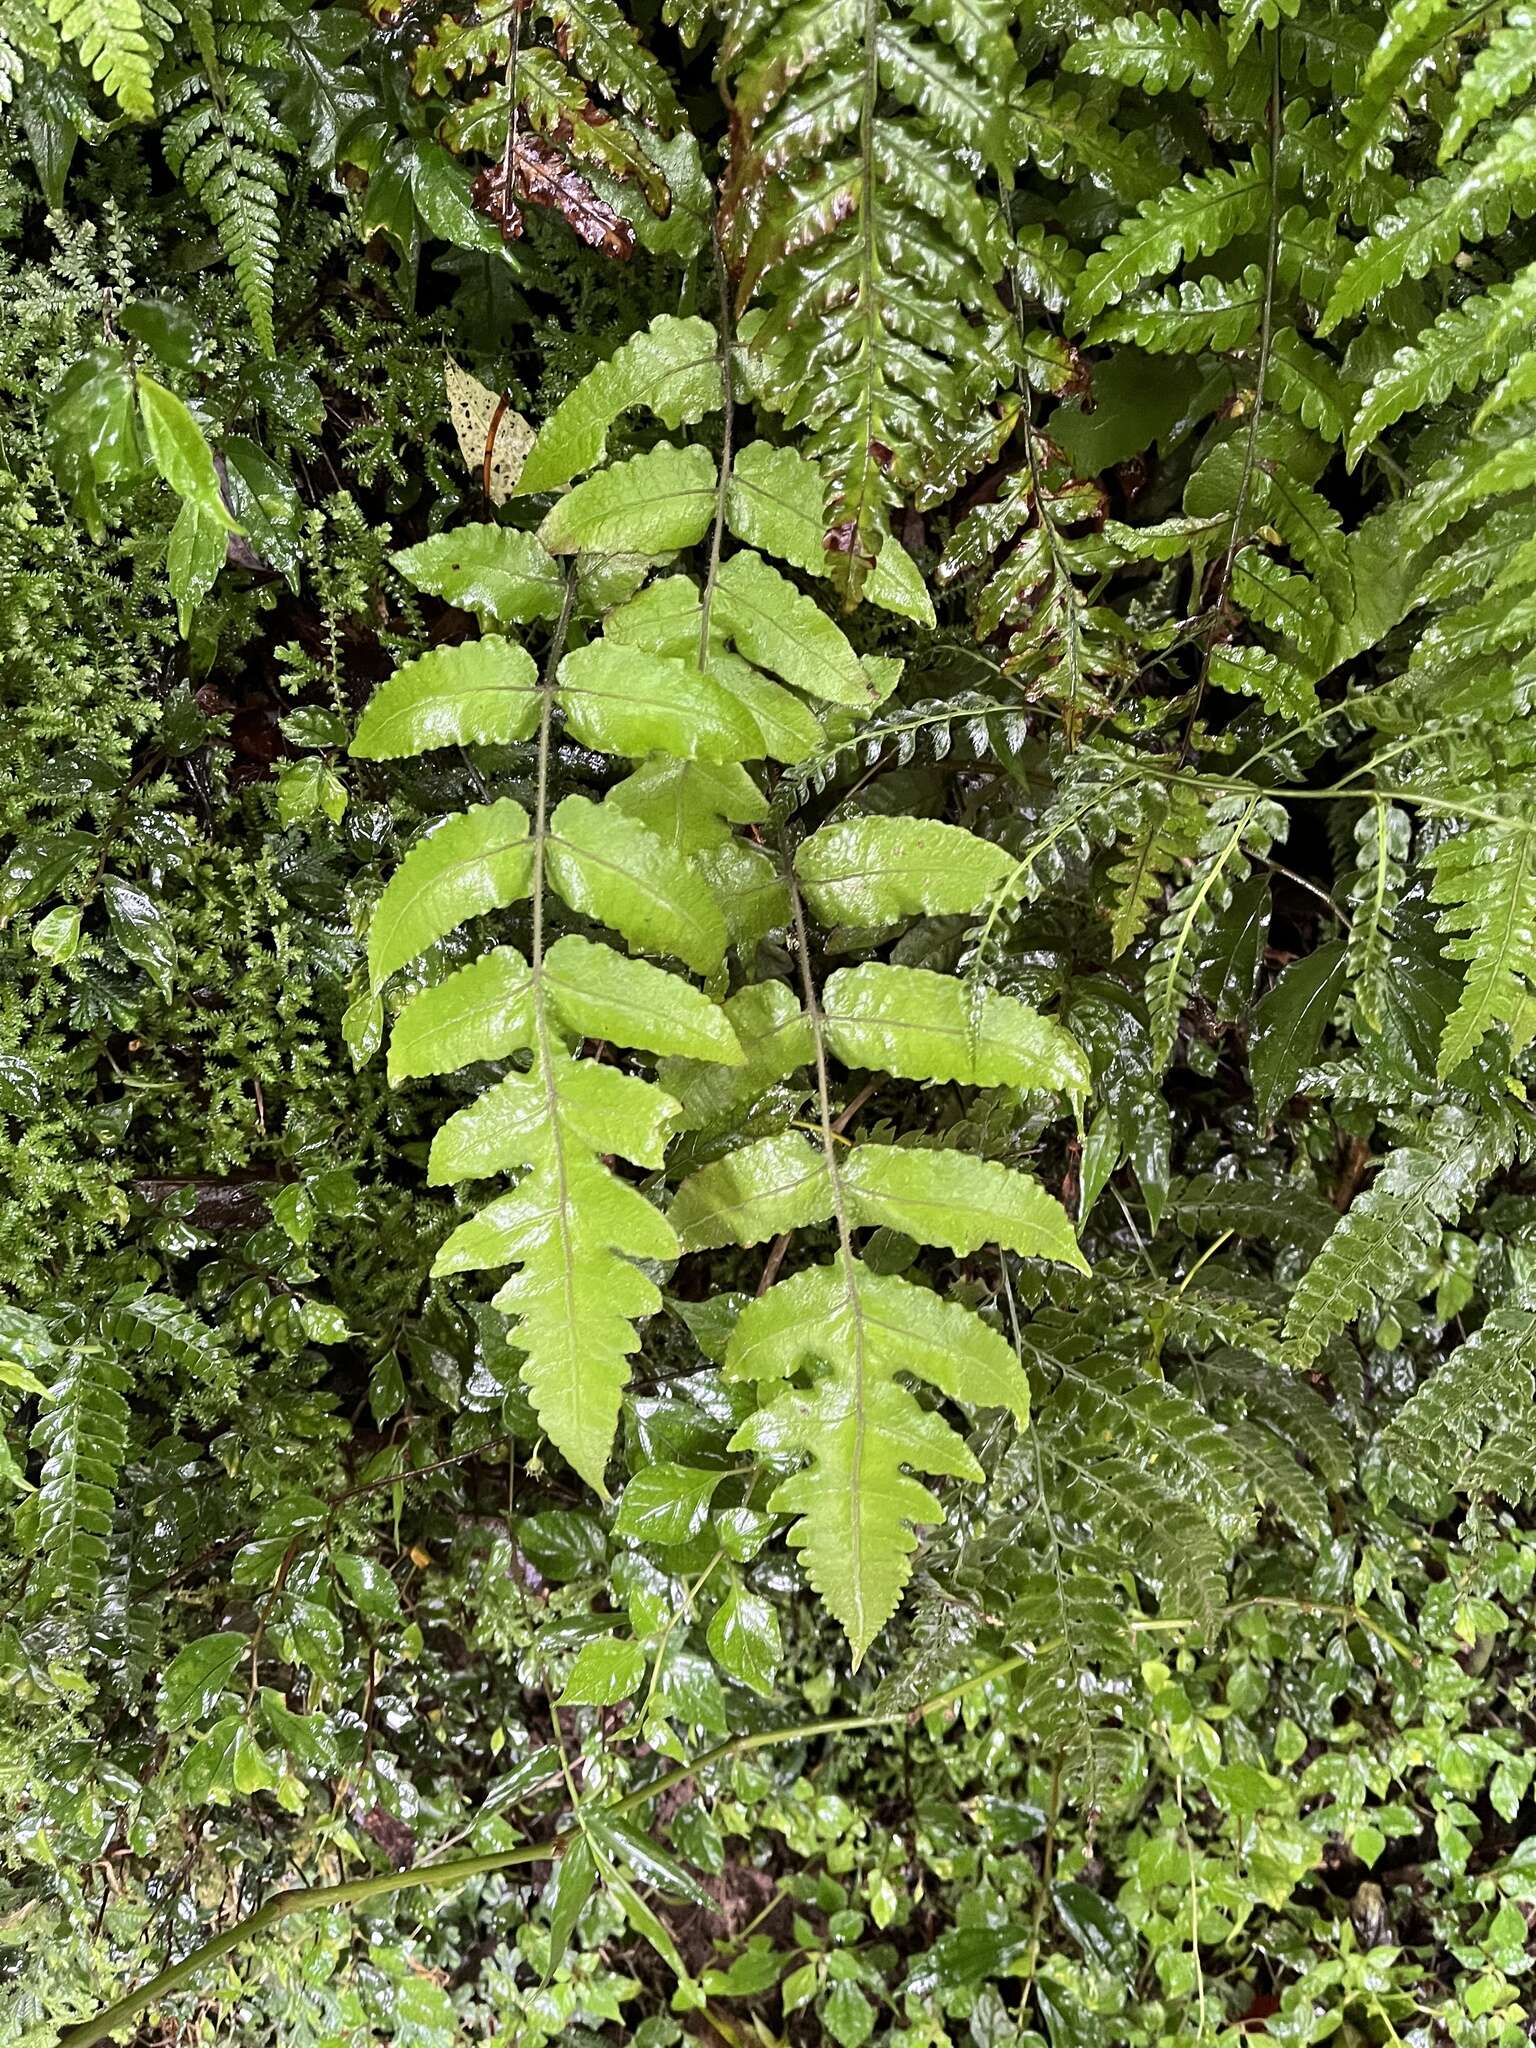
(1382, 838)
(1197, 217)
(26, 36)
(1471, 1428)
(1503, 68)
(119, 43)
(1062, 131)
(1201, 313)
(1238, 830)
(1075, 1625)
(83, 1435)
(1303, 381)
(859, 1425)
(1272, 1212)
(1409, 34)
(164, 1333)
(852, 214)
(1289, 1407)
(1437, 217)
(1165, 52)
(1466, 346)
(1167, 833)
(1138, 1462)
(1485, 875)
(225, 144)
(1396, 1223)
(1248, 16)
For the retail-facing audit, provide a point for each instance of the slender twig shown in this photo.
(728, 427)
(460, 1869)
(785, 1238)
(1266, 337)
(1042, 1896)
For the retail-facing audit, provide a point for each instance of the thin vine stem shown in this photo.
(461, 1869)
(1266, 340)
(727, 441)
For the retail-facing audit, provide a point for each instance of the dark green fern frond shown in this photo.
(83, 1435)
(226, 144)
(1397, 1221)
(1471, 1428)
(852, 217)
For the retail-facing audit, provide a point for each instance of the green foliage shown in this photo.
(765, 1103)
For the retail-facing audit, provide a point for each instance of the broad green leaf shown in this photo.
(627, 700)
(779, 1183)
(847, 2014)
(873, 872)
(599, 993)
(575, 1882)
(666, 1503)
(37, 866)
(480, 693)
(775, 501)
(480, 1012)
(743, 1638)
(1290, 1022)
(605, 1672)
(198, 1676)
(786, 632)
(646, 1861)
(369, 1585)
(598, 1107)
(180, 451)
(652, 504)
(194, 556)
(479, 860)
(922, 1026)
(609, 867)
(958, 1201)
(504, 576)
(142, 928)
(856, 1502)
(93, 433)
(672, 367)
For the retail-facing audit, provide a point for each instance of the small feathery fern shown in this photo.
(225, 142)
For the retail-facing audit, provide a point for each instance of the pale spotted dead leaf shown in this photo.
(493, 438)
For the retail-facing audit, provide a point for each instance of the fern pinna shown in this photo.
(680, 683)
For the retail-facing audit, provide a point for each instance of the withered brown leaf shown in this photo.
(540, 176)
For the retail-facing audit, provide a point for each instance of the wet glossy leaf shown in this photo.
(198, 1675)
(606, 1671)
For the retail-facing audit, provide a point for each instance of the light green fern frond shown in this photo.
(1486, 877)
(119, 43)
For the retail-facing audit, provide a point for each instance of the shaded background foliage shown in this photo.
(1186, 354)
